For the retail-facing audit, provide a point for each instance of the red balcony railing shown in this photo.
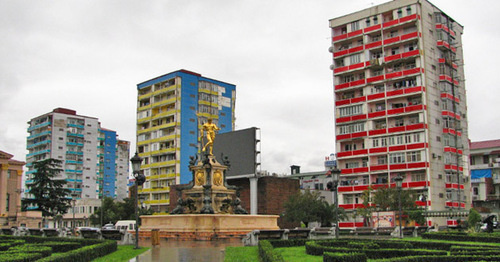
(450, 96)
(448, 79)
(351, 136)
(450, 114)
(351, 84)
(453, 186)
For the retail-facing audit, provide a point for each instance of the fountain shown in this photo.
(207, 208)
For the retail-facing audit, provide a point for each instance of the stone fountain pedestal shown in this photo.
(206, 226)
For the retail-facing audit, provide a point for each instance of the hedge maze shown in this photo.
(362, 250)
(36, 248)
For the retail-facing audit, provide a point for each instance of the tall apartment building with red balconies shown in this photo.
(400, 106)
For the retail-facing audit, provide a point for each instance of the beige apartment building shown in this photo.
(400, 106)
(11, 172)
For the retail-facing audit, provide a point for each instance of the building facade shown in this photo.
(170, 111)
(485, 174)
(400, 105)
(11, 172)
(95, 162)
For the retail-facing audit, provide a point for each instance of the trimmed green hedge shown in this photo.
(315, 249)
(344, 257)
(29, 248)
(457, 236)
(84, 254)
(60, 247)
(267, 254)
(20, 257)
(441, 259)
(72, 249)
(288, 243)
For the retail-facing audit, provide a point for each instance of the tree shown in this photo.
(368, 209)
(117, 210)
(49, 194)
(387, 199)
(309, 207)
(473, 218)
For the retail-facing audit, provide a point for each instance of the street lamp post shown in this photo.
(73, 202)
(333, 185)
(399, 184)
(139, 180)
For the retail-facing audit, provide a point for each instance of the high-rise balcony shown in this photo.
(450, 114)
(448, 62)
(453, 186)
(450, 167)
(452, 204)
(392, 167)
(451, 131)
(396, 111)
(448, 79)
(446, 29)
(394, 75)
(444, 45)
(361, 188)
(402, 38)
(450, 97)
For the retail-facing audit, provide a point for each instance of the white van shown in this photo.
(125, 225)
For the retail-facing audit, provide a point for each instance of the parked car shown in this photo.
(108, 226)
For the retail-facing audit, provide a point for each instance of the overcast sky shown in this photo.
(89, 55)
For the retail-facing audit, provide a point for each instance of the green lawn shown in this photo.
(297, 254)
(124, 253)
(241, 254)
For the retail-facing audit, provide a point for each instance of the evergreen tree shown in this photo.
(116, 210)
(309, 207)
(387, 199)
(49, 195)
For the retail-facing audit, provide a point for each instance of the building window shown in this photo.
(486, 159)
(418, 177)
(367, 22)
(355, 59)
(397, 158)
(399, 122)
(375, 20)
(351, 110)
(352, 165)
(400, 13)
(382, 160)
(413, 157)
(7, 202)
(355, 26)
(408, 10)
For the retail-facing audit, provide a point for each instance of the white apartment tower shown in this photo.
(400, 106)
(95, 162)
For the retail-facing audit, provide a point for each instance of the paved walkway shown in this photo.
(185, 251)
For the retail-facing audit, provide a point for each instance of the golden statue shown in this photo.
(210, 129)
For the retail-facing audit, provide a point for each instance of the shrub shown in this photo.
(388, 253)
(60, 247)
(29, 248)
(341, 257)
(19, 257)
(441, 259)
(479, 237)
(288, 243)
(86, 253)
(267, 254)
